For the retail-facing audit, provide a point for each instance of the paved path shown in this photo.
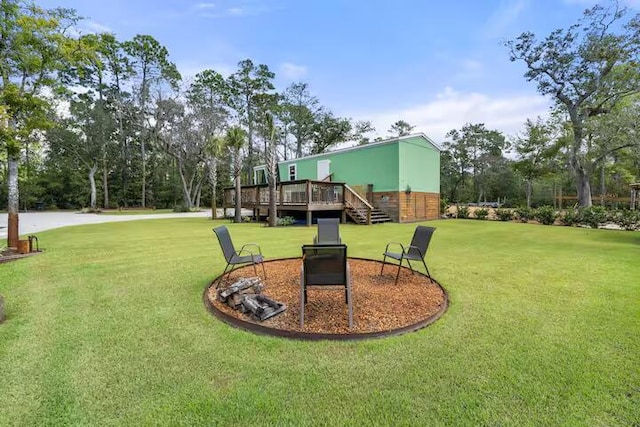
(33, 222)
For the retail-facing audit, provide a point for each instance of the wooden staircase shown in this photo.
(360, 210)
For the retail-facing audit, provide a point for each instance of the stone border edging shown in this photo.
(8, 258)
(311, 336)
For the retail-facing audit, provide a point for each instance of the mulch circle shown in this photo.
(380, 308)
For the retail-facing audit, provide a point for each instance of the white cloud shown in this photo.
(452, 110)
(502, 18)
(293, 71)
(204, 5)
(88, 26)
(236, 11)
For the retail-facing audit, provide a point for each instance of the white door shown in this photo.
(323, 169)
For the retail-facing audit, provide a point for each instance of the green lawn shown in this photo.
(108, 328)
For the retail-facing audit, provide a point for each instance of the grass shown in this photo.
(108, 328)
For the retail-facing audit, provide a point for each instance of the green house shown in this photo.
(398, 176)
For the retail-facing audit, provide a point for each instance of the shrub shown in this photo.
(463, 212)
(524, 213)
(593, 216)
(504, 214)
(570, 217)
(91, 210)
(627, 219)
(546, 215)
(285, 220)
(444, 204)
(481, 213)
(181, 208)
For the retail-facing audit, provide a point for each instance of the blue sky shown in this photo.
(436, 64)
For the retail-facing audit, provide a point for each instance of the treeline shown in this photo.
(111, 123)
(93, 121)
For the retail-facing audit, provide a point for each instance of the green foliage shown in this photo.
(524, 213)
(444, 204)
(593, 216)
(546, 215)
(504, 214)
(570, 217)
(627, 219)
(462, 212)
(286, 220)
(181, 208)
(481, 213)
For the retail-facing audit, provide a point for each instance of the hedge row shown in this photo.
(594, 216)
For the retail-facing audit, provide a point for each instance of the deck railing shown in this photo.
(356, 202)
(303, 192)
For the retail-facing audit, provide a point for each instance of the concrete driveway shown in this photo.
(33, 222)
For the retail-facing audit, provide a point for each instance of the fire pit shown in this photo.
(380, 308)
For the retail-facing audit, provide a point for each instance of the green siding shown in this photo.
(419, 166)
(377, 165)
(388, 166)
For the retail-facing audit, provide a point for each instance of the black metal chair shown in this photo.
(325, 266)
(416, 251)
(328, 232)
(234, 257)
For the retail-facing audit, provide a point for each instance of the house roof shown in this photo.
(371, 144)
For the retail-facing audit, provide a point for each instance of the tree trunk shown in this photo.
(144, 172)
(237, 171)
(273, 210)
(213, 181)
(584, 188)
(186, 196)
(105, 181)
(528, 193)
(603, 185)
(92, 182)
(238, 213)
(13, 202)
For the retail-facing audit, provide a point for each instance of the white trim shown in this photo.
(255, 173)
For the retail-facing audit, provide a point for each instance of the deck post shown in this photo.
(309, 218)
(633, 199)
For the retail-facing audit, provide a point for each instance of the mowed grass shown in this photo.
(108, 327)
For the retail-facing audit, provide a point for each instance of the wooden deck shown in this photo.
(302, 195)
(305, 195)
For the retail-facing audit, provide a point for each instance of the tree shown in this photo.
(271, 157)
(588, 69)
(249, 90)
(401, 128)
(34, 48)
(206, 97)
(360, 131)
(236, 140)
(150, 63)
(213, 151)
(300, 110)
(328, 131)
(473, 149)
(533, 149)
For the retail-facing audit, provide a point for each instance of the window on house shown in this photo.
(260, 175)
(292, 173)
